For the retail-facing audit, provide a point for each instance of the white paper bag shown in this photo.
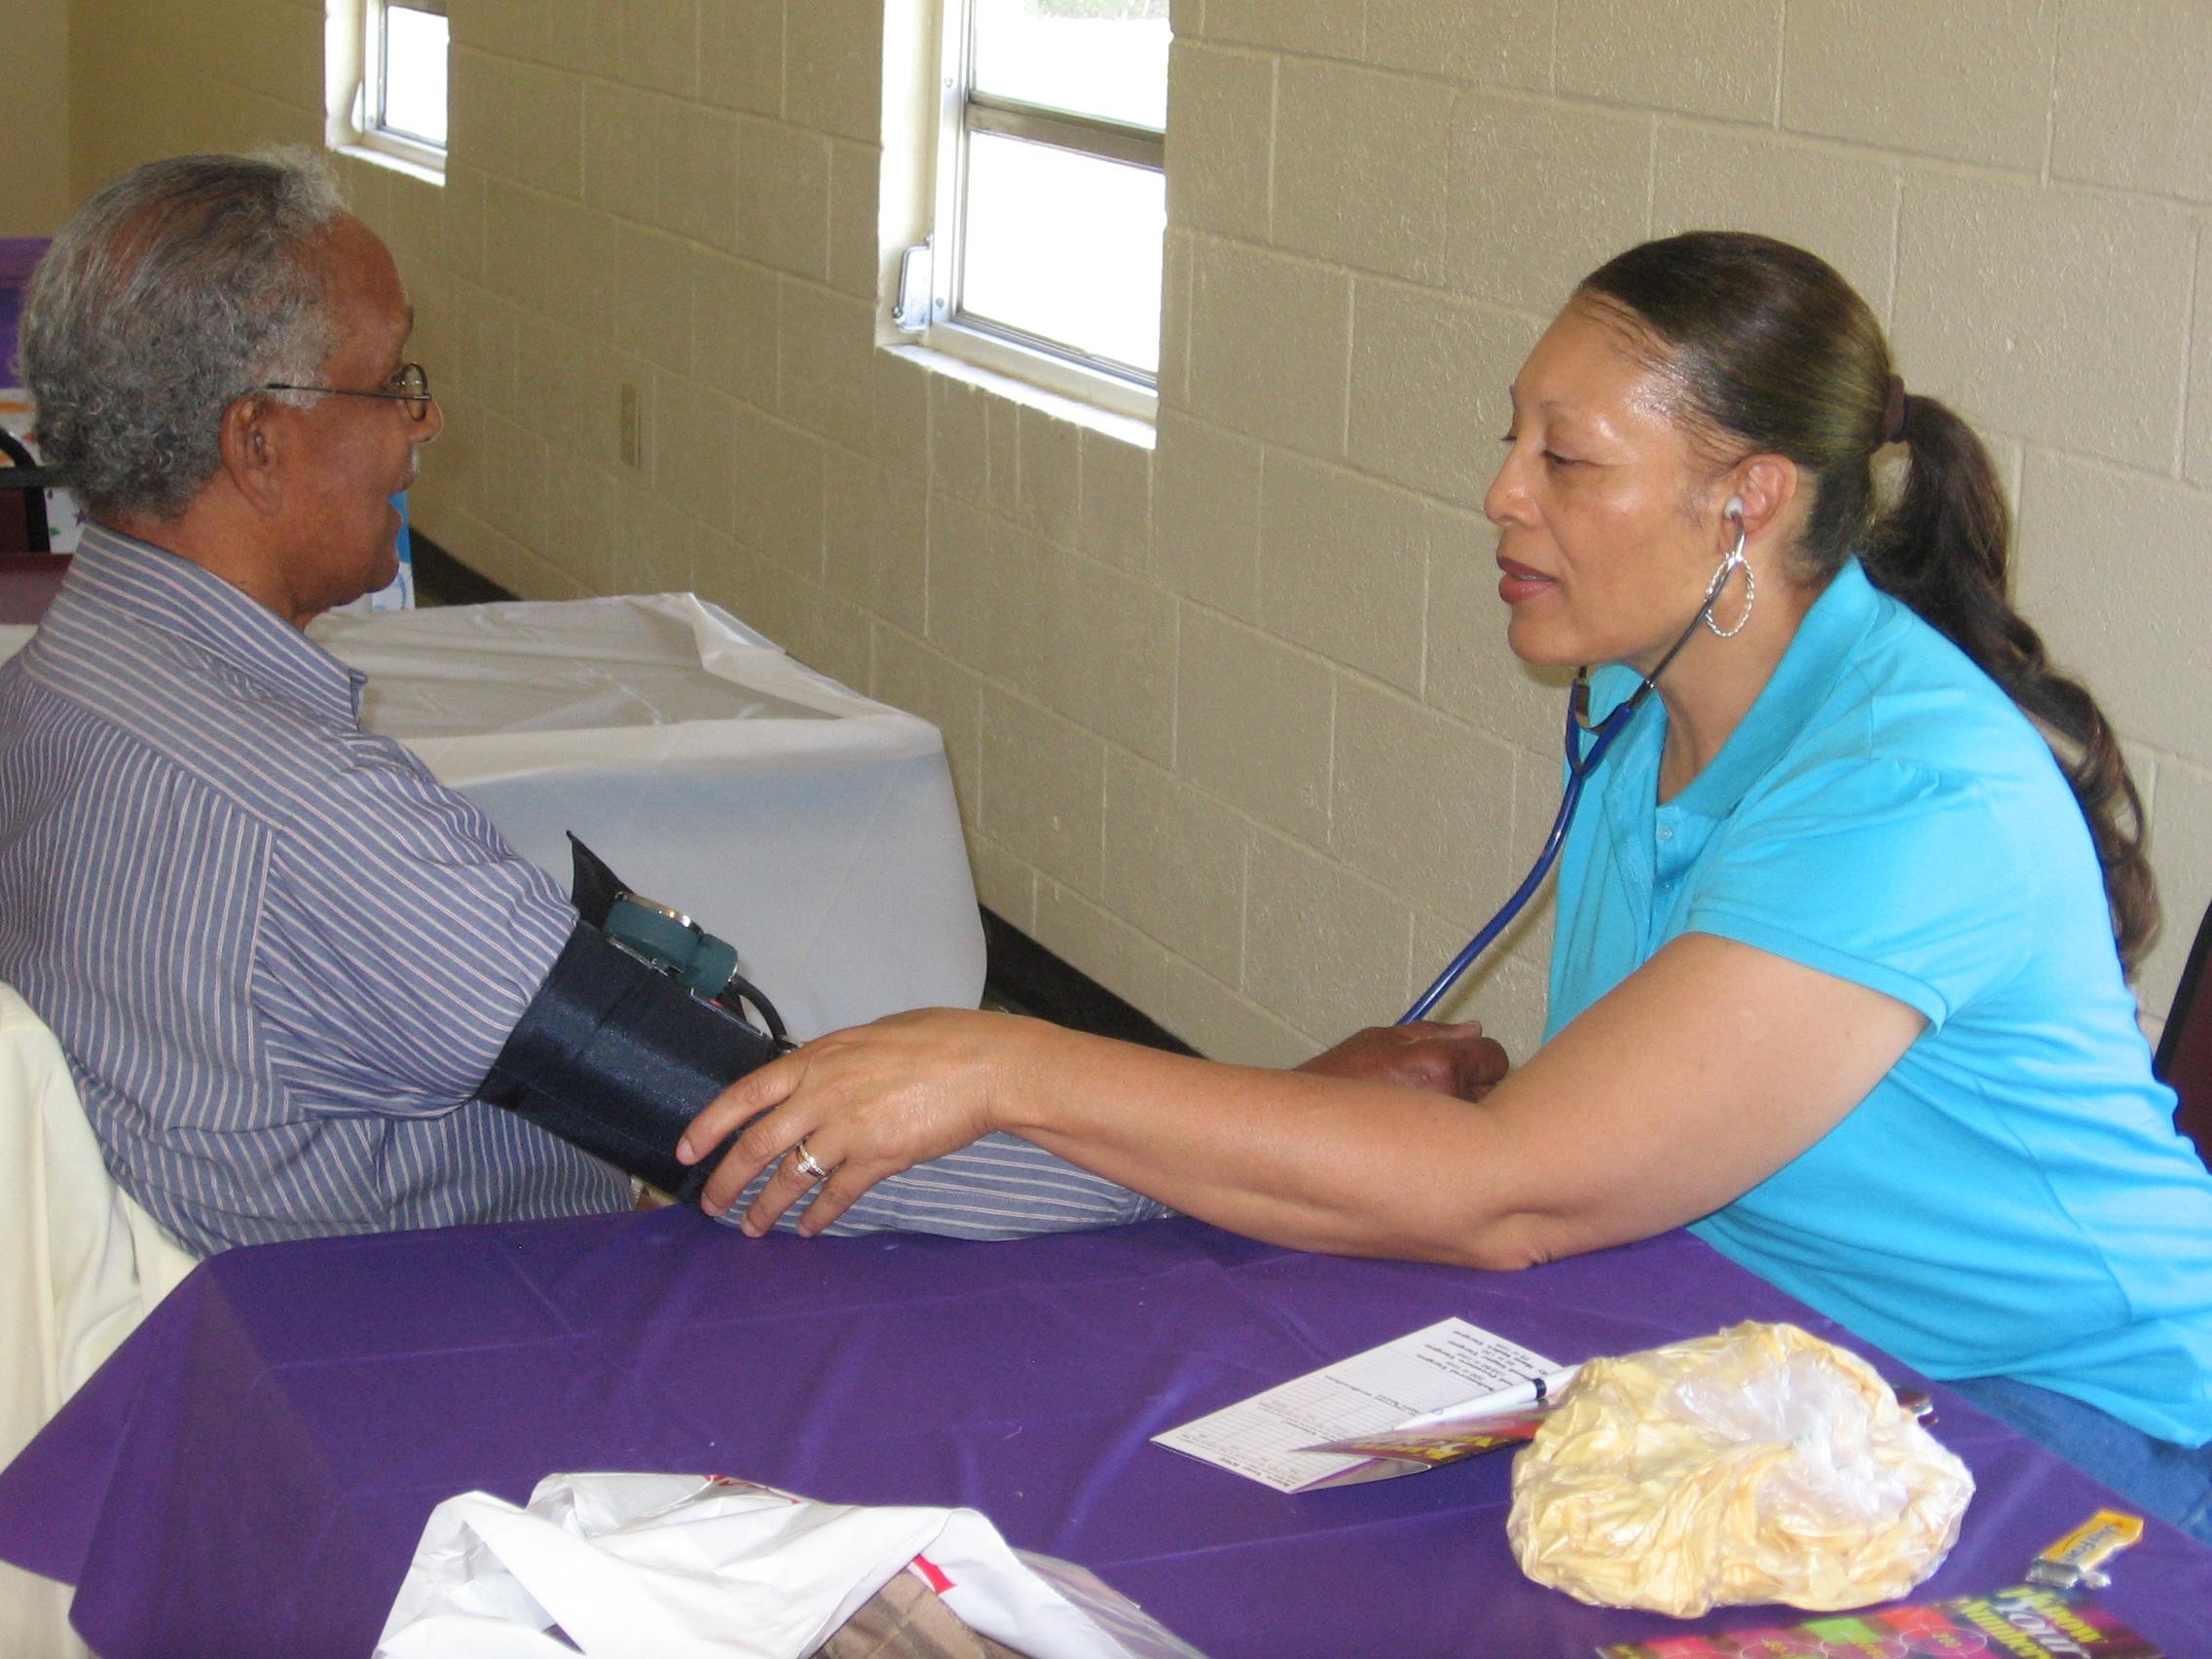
(667, 1567)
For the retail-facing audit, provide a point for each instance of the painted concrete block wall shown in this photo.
(1230, 715)
(34, 117)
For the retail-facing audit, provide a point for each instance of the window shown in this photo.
(403, 79)
(1051, 194)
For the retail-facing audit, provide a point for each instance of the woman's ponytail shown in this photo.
(1943, 548)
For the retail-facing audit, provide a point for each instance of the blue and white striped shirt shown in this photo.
(281, 956)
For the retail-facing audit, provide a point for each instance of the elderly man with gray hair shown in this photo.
(281, 957)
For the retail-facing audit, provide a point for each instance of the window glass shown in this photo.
(1054, 205)
(1066, 246)
(1103, 58)
(414, 66)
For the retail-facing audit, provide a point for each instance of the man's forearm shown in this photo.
(1000, 1187)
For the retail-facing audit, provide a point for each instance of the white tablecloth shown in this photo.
(812, 827)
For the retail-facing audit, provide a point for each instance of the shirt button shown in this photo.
(1665, 833)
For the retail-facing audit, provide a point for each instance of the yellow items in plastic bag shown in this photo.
(1761, 1464)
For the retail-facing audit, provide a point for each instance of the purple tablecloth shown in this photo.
(249, 1474)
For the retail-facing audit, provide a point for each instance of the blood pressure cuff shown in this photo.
(618, 1059)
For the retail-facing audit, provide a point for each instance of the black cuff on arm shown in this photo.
(618, 1059)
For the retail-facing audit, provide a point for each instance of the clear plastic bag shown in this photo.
(1761, 1464)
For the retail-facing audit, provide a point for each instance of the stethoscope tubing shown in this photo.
(1579, 766)
(1578, 770)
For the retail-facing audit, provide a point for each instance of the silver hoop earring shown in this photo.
(1735, 560)
(1750, 597)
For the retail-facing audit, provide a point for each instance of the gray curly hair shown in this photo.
(181, 286)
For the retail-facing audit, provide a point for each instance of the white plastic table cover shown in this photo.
(812, 827)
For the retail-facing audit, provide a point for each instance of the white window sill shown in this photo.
(1135, 429)
(406, 164)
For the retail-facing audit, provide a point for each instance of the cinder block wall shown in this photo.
(1231, 719)
(34, 117)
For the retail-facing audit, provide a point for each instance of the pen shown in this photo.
(1534, 1391)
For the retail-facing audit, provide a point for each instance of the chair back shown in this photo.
(24, 527)
(29, 582)
(2185, 1049)
(80, 1265)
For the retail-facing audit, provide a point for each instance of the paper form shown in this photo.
(1369, 1393)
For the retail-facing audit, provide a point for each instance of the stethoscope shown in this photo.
(1580, 763)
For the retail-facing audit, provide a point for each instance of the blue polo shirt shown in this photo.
(2012, 1199)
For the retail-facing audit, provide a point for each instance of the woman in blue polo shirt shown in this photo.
(1839, 971)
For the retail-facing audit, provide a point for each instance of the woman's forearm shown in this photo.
(1699, 1076)
(1320, 1163)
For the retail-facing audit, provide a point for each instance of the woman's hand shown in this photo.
(868, 1102)
(1454, 1059)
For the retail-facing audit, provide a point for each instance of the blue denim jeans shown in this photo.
(2171, 1481)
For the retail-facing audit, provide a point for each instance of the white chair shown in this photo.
(80, 1265)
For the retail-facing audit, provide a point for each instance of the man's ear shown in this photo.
(252, 440)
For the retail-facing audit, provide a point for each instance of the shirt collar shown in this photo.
(161, 590)
(1817, 657)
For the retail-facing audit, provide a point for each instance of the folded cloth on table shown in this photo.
(697, 1566)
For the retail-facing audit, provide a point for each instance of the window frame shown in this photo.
(983, 340)
(371, 131)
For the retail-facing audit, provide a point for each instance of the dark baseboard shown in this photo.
(1028, 978)
(1020, 974)
(442, 579)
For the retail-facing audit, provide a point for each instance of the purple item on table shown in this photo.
(19, 255)
(251, 1471)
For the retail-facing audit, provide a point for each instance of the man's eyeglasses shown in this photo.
(410, 387)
